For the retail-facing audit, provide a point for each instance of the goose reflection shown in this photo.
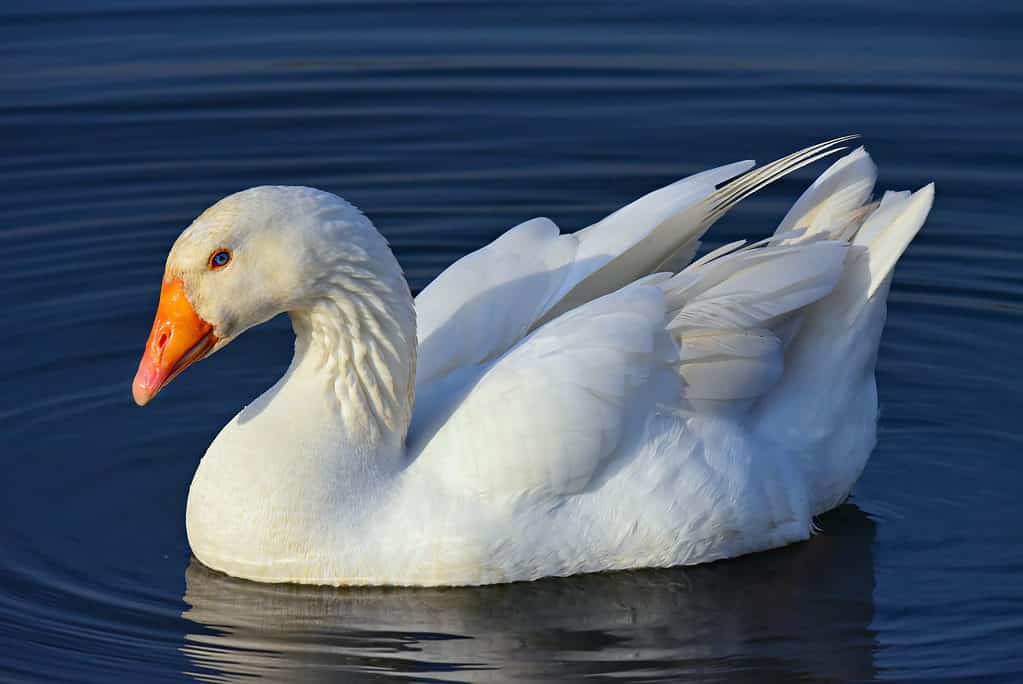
(802, 612)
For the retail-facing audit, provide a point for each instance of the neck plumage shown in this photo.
(357, 338)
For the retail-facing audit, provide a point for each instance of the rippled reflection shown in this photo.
(803, 612)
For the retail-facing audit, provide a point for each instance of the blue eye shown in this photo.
(220, 258)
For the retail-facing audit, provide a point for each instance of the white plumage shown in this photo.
(582, 403)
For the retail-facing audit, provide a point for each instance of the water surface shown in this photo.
(448, 123)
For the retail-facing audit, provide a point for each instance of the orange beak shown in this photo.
(178, 339)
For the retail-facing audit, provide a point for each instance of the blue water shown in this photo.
(447, 123)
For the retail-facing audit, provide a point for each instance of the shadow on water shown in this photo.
(799, 613)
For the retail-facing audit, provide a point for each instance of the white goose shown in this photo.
(581, 402)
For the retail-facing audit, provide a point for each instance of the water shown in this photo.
(449, 122)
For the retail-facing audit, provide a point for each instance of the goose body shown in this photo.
(552, 403)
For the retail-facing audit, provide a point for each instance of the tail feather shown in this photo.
(786, 330)
(678, 227)
(886, 243)
(842, 189)
(824, 409)
(835, 207)
(876, 247)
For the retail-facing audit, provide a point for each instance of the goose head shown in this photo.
(249, 257)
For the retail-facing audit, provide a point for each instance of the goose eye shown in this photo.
(220, 259)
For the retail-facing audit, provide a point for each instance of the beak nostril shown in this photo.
(162, 342)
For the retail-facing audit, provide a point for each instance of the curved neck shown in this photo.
(356, 340)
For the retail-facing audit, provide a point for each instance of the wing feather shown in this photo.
(489, 300)
(547, 417)
(730, 314)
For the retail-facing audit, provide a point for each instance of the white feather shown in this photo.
(485, 302)
(556, 405)
(845, 186)
(729, 364)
